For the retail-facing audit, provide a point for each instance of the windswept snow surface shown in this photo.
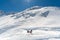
(43, 21)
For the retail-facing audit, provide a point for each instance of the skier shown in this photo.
(29, 31)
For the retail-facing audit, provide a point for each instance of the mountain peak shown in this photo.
(34, 7)
(36, 11)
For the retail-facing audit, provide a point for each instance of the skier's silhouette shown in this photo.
(29, 31)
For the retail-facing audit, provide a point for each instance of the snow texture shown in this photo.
(43, 21)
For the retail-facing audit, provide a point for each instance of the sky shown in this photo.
(20, 5)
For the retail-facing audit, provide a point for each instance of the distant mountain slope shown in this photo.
(45, 20)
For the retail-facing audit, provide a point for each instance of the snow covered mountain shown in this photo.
(44, 21)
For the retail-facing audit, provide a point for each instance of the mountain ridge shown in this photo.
(40, 14)
(44, 23)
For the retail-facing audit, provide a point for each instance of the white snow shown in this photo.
(14, 27)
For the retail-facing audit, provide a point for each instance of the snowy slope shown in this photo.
(44, 21)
